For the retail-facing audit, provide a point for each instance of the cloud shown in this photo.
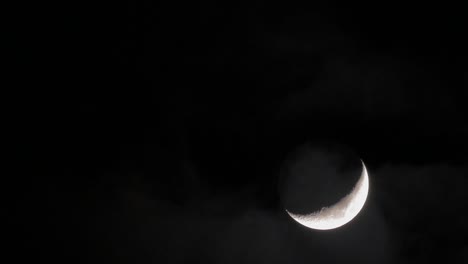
(327, 71)
(140, 228)
(369, 86)
(425, 208)
(413, 213)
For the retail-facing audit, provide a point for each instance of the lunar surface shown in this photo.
(340, 213)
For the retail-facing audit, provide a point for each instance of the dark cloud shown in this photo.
(370, 86)
(150, 230)
(425, 206)
(413, 213)
(165, 142)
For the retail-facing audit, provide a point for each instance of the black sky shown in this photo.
(156, 133)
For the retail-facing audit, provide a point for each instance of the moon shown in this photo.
(340, 213)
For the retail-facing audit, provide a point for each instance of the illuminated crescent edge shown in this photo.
(340, 213)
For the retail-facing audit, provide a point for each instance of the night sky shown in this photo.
(158, 133)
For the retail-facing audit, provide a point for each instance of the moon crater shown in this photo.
(319, 181)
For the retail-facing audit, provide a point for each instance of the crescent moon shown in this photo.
(340, 213)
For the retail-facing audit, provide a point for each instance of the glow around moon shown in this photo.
(340, 213)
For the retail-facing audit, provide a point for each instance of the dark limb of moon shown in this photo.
(340, 213)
